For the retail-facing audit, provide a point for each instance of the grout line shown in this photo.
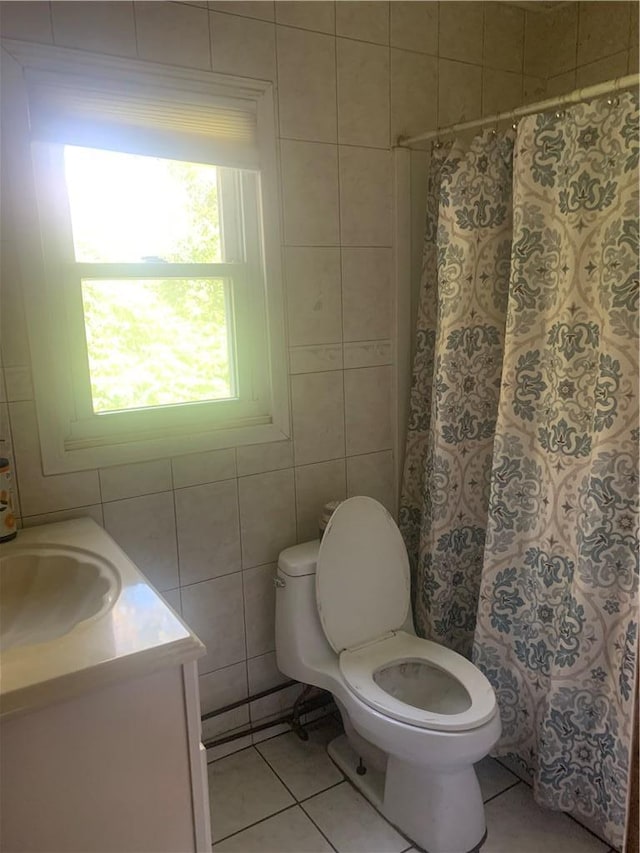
(297, 802)
(344, 395)
(256, 823)
(235, 752)
(324, 790)
(504, 791)
(210, 34)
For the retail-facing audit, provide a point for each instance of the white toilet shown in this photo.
(417, 716)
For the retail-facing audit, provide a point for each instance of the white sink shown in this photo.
(45, 591)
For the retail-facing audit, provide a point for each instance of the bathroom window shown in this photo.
(158, 313)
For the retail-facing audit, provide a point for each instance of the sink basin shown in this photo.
(46, 591)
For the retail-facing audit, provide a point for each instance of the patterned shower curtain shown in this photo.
(456, 382)
(557, 611)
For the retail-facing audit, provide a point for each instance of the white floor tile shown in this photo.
(515, 822)
(493, 777)
(351, 824)
(290, 831)
(243, 790)
(304, 766)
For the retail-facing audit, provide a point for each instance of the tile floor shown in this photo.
(286, 796)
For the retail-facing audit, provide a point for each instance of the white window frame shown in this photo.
(73, 438)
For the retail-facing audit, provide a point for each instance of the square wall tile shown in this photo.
(603, 29)
(220, 688)
(365, 197)
(561, 84)
(263, 9)
(139, 478)
(533, 89)
(194, 469)
(145, 529)
(173, 33)
(38, 493)
(503, 37)
(414, 93)
(260, 608)
(315, 486)
(367, 354)
(259, 458)
(267, 516)
(208, 531)
(243, 46)
(316, 15)
(367, 393)
(414, 26)
(315, 358)
(263, 674)
(360, 19)
(94, 512)
(366, 294)
(172, 598)
(551, 41)
(363, 94)
(214, 610)
(459, 88)
(26, 21)
(13, 325)
(501, 91)
(313, 295)
(96, 26)
(318, 416)
(310, 193)
(372, 474)
(603, 69)
(306, 85)
(18, 383)
(461, 28)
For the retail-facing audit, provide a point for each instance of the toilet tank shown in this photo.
(302, 650)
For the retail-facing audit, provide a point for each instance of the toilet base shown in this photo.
(443, 826)
(371, 784)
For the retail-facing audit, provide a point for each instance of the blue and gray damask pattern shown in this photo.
(557, 622)
(456, 383)
(520, 491)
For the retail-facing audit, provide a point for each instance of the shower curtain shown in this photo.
(520, 492)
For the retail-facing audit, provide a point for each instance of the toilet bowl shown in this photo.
(417, 715)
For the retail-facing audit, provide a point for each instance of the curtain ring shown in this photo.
(559, 113)
(613, 102)
(437, 144)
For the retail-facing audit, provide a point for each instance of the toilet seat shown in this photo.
(359, 667)
(363, 598)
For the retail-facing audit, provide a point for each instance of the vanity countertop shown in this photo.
(137, 634)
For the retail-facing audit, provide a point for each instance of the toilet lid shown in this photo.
(362, 575)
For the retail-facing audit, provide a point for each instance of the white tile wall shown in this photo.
(208, 526)
(582, 44)
(243, 46)
(145, 528)
(307, 85)
(350, 76)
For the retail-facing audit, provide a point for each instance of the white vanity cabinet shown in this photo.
(116, 769)
(100, 731)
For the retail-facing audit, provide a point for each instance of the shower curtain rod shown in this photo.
(585, 94)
